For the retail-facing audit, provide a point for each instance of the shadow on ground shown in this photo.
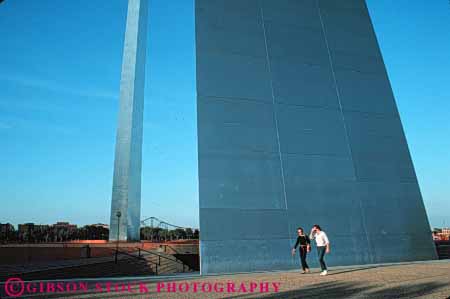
(335, 290)
(337, 272)
(338, 290)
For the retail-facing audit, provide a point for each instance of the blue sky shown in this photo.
(59, 81)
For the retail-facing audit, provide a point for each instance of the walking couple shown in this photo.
(322, 243)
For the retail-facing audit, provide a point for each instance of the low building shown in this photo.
(101, 225)
(441, 234)
(26, 227)
(7, 232)
(64, 225)
(436, 236)
(6, 228)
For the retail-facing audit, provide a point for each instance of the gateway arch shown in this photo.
(297, 125)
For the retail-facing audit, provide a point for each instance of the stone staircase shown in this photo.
(167, 263)
(96, 267)
(140, 263)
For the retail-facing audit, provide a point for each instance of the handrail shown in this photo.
(129, 254)
(165, 257)
(138, 257)
(176, 260)
(170, 248)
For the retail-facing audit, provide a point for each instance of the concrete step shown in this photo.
(98, 267)
(124, 267)
(167, 263)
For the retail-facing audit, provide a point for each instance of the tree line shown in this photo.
(46, 234)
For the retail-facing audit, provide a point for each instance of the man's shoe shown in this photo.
(303, 272)
(324, 272)
(307, 270)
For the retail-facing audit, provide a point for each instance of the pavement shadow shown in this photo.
(335, 290)
(408, 291)
(337, 272)
(93, 292)
(340, 290)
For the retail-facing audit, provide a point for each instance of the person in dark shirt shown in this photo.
(305, 246)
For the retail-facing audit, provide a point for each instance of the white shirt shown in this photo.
(321, 238)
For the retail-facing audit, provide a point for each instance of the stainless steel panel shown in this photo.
(312, 131)
(300, 84)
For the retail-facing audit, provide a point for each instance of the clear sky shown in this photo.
(59, 81)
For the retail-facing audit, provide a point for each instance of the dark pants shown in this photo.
(321, 253)
(303, 253)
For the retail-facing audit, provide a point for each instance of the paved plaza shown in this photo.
(412, 280)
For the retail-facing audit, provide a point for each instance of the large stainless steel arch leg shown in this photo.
(126, 192)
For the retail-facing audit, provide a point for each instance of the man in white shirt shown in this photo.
(323, 246)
